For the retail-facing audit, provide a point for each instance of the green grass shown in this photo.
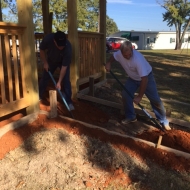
(171, 69)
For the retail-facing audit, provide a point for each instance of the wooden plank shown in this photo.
(100, 101)
(118, 135)
(86, 90)
(16, 124)
(86, 79)
(85, 58)
(22, 65)
(11, 25)
(80, 95)
(81, 67)
(82, 74)
(15, 66)
(93, 51)
(91, 57)
(11, 31)
(9, 68)
(6, 109)
(2, 83)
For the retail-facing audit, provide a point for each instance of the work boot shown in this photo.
(127, 121)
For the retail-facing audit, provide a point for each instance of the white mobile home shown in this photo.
(154, 39)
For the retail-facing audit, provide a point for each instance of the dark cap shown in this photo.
(60, 38)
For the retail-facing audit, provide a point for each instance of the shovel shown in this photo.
(64, 101)
(147, 114)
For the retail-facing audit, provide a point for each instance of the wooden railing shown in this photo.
(13, 92)
(90, 55)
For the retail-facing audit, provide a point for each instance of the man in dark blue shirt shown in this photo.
(59, 52)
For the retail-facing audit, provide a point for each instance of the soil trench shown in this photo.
(110, 119)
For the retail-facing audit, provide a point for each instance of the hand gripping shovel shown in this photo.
(61, 94)
(150, 117)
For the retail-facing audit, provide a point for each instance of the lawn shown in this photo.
(171, 69)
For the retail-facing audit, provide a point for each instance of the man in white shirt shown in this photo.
(140, 77)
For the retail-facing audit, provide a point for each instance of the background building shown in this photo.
(154, 39)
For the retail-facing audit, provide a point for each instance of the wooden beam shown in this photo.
(86, 79)
(83, 96)
(19, 123)
(25, 18)
(100, 101)
(14, 106)
(102, 29)
(46, 16)
(73, 38)
(118, 135)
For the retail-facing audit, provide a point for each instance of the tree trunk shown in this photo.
(177, 36)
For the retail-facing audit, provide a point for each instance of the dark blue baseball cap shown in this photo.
(60, 38)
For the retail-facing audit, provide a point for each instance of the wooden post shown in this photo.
(159, 141)
(102, 29)
(25, 18)
(53, 103)
(2, 42)
(91, 86)
(50, 21)
(73, 38)
(46, 17)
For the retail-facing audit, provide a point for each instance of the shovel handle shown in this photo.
(59, 91)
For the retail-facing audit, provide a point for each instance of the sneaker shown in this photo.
(127, 121)
(166, 127)
(71, 107)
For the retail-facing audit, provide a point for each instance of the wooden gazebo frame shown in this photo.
(89, 54)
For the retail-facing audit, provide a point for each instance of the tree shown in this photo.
(87, 14)
(111, 26)
(10, 7)
(177, 14)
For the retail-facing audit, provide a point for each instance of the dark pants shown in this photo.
(65, 86)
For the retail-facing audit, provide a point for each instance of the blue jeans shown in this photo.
(65, 86)
(151, 93)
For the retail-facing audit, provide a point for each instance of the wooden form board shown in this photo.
(84, 95)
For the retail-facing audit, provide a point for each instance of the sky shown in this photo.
(138, 15)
